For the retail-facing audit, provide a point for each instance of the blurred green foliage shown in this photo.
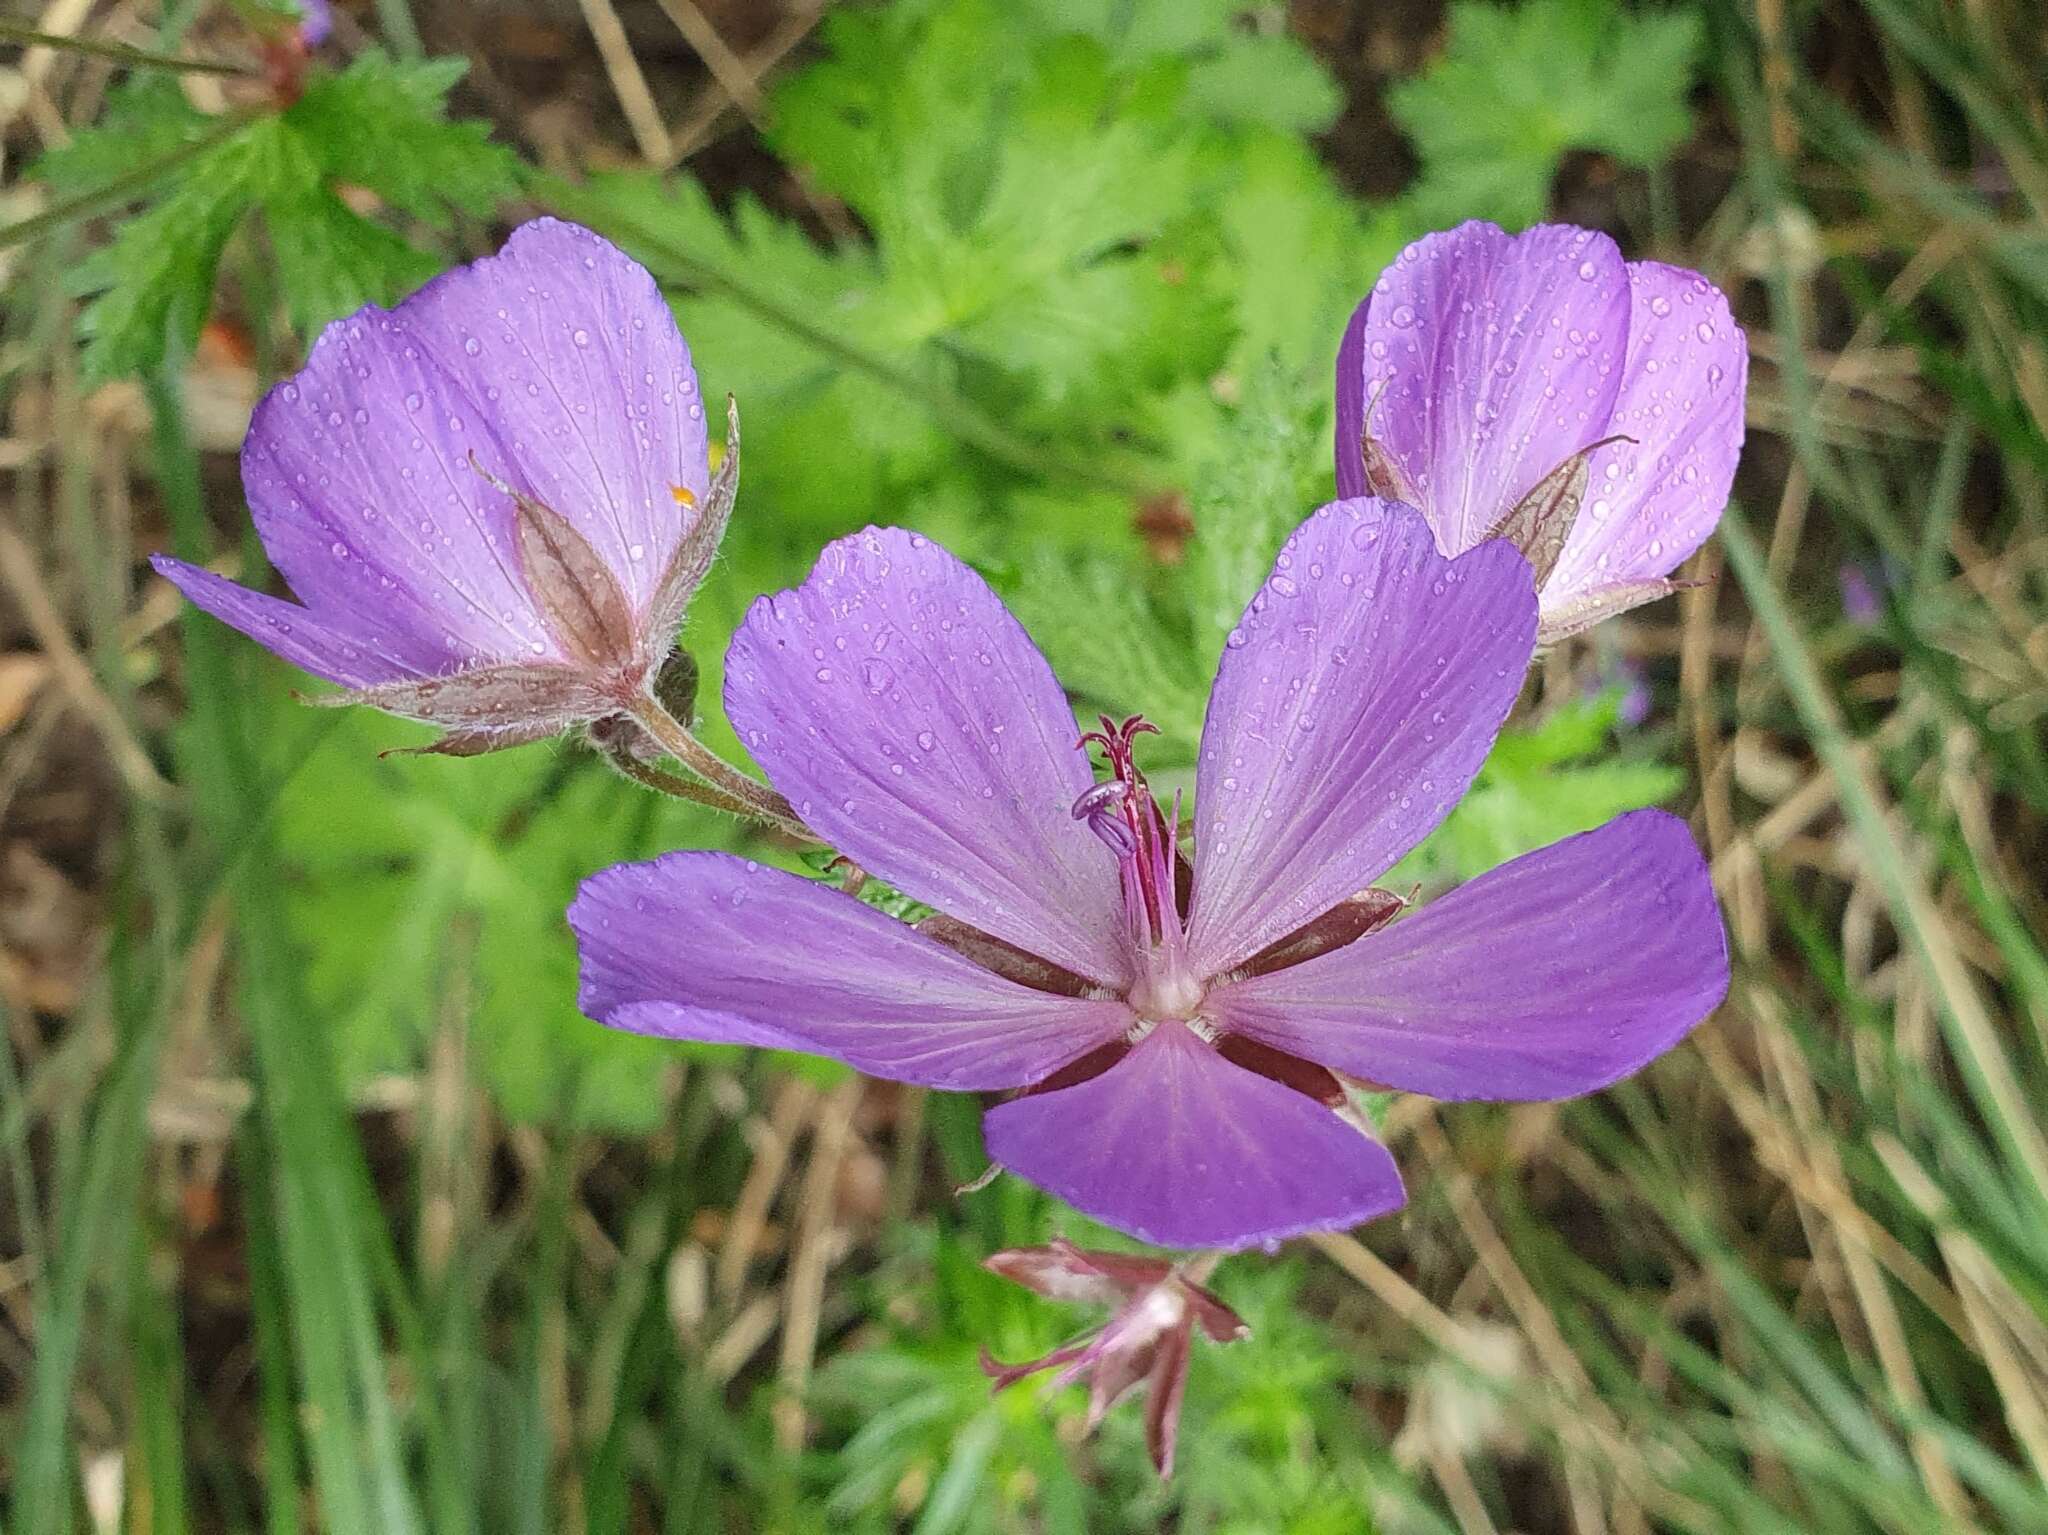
(1519, 85)
(380, 125)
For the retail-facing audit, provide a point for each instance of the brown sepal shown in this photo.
(1261, 1059)
(1383, 477)
(1005, 959)
(698, 546)
(1540, 523)
(1351, 918)
(1602, 603)
(542, 698)
(475, 743)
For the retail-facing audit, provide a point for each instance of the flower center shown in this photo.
(1123, 815)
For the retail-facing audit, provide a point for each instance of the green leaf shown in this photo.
(1267, 79)
(377, 126)
(382, 124)
(1517, 86)
(409, 880)
(147, 118)
(1534, 789)
(155, 279)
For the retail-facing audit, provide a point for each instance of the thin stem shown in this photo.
(121, 188)
(673, 786)
(121, 53)
(762, 803)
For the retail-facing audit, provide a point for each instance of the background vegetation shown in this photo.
(325, 1211)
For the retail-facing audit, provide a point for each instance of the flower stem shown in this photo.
(674, 786)
(121, 53)
(757, 800)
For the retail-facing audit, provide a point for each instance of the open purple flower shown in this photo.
(1156, 1307)
(492, 502)
(1539, 388)
(1177, 1033)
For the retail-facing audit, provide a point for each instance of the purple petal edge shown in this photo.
(1556, 974)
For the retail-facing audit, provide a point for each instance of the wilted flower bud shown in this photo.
(1146, 1340)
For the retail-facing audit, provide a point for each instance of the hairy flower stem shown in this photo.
(673, 785)
(757, 801)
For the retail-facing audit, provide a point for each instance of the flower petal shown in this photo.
(359, 469)
(1352, 707)
(1494, 358)
(1653, 501)
(706, 946)
(358, 475)
(577, 355)
(908, 717)
(1556, 974)
(329, 647)
(1177, 1146)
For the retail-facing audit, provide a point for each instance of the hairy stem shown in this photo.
(758, 801)
(673, 785)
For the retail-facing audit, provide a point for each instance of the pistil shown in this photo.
(1124, 816)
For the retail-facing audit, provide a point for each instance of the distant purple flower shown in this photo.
(316, 22)
(1490, 381)
(1179, 1032)
(493, 501)
(1146, 1342)
(1864, 585)
(1626, 678)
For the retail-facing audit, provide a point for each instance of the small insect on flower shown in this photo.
(1147, 1341)
(1539, 388)
(492, 502)
(1177, 1032)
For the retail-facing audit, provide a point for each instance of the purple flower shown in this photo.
(1627, 678)
(1177, 1031)
(1146, 1342)
(1537, 387)
(316, 22)
(1864, 586)
(492, 502)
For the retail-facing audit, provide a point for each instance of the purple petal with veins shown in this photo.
(1176, 1035)
(498, 473)
(1482, 363)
